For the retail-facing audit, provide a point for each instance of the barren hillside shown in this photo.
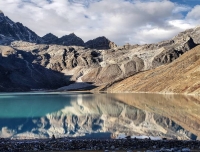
(180, 76)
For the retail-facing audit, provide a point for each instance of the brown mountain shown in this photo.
(180, 76)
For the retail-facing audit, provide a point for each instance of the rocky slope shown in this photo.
(87, 115)
(180, 76)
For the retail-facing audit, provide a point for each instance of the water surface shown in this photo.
(86, 115)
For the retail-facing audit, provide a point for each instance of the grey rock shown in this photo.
(169, 55)
(112, 147)
(185, 150)
(1, 13)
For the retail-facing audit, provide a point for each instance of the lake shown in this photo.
(87, 115)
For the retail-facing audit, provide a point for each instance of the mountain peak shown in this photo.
(49, 34)
(1, 13)
(70, 39)
(49, 38)
(100, 43)
(72, 34)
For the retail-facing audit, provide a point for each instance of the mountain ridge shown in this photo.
(10, 31)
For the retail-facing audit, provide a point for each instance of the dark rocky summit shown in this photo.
(49, 38)
(66, 40)
(10, 31)
(100, 43)
(70, 39)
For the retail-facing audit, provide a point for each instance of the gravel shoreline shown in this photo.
(128, 145)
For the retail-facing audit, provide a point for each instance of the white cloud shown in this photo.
(181, 8)
(121, 21)
(194, 13)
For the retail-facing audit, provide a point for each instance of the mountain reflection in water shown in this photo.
(84, 115)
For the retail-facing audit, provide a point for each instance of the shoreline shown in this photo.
(108, 92)
(76, 144)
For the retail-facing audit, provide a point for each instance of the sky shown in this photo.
(121, 21)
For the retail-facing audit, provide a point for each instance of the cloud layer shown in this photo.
(133, 21)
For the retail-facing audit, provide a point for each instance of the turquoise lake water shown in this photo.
(87, 115)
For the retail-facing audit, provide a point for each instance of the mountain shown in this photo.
(70, 39)
(66, 40)
(100, 43)
(49, 38)
(101, 67)
(98, 62)
(180, 76)
(10, 31)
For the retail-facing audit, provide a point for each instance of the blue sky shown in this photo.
(122, 21)
(187, 2)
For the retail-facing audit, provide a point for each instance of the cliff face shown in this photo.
(92, 114)
(180, 76)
